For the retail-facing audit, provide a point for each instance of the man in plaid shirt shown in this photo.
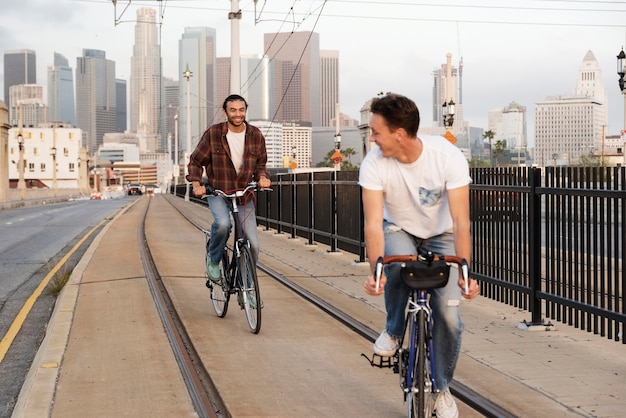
(232, 154)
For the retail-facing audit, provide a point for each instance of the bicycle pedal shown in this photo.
(380, 361)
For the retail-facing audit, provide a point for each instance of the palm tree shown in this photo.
(489, 135)
(499, 147)
(348, 152)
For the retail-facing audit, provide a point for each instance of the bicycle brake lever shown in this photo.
(465, 271)
(379, 271)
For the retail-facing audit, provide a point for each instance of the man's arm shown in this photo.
(458, 200)
(374, 235)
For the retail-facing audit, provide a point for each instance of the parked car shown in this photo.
(134, 189)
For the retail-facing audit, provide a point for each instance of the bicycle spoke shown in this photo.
(250, 289)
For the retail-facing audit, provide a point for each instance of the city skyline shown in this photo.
(510, 53)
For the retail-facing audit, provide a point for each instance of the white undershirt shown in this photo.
(236, 142)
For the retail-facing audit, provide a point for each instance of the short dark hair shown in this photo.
(398, 111)
(233, 98)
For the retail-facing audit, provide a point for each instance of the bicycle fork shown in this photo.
(407, 357)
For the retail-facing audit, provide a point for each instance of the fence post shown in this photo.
(534, 242)
(310, 208)
(333, 212)
(293, 205)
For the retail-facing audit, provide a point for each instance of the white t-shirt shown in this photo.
(415, 195)
(236, 142)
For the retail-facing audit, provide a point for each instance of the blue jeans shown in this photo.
(220, 230)
(444, 301)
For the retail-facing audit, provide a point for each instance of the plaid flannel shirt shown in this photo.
(212, 154)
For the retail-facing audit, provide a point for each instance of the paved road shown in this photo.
(33, 240)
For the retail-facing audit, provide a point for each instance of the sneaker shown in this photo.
(445, 406)
(213, 270)
(251, 300)
(386, 345)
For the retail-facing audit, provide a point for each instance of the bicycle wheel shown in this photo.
(250, 289)
(220, 291)
(419, 405)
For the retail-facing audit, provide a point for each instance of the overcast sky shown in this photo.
(515, 50)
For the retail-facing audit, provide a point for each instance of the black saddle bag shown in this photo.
(425, 275)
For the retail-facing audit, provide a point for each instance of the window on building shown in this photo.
(72, 167)
(42, 167)
(31, 167)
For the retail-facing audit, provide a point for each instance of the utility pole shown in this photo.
(235, 72)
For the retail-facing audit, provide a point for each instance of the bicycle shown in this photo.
(238, 269)
(415, 363)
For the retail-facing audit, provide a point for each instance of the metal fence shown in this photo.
(550, 242)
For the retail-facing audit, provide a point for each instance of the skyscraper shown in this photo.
(295, 58)
(20, 67)
(121, 106)
(96, 97)
(329, 81)
(145, 75)
(61, 91)
(197, 52)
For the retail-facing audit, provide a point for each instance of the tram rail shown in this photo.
(202, 389)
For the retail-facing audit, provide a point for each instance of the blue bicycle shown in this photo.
(414, 362)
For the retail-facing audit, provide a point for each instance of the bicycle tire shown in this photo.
(220, 291)
(420, 364)
(250, 289)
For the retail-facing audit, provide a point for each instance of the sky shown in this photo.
(514, 50)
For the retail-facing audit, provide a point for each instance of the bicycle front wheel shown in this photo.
(220, 291)
(250, 289)
(421, 402)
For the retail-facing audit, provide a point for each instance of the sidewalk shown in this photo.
(561, 372)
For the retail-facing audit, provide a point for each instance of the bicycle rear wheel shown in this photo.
(220, 291)
(250, 289)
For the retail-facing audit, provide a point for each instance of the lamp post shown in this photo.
(293, 165)
(187, 74)
(53, 152)
(448, 114)
(337, 157)
(621, 71)
(21, 184)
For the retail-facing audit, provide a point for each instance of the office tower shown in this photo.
(20, 67)
(197, 52)
(145, 75)
(170, 102)
(329, 82)
(295, 58)
(61, 91)
(273, 133)
(96, 97)
(27, 106)
(121, 122)
(568, 127)
(445, 88)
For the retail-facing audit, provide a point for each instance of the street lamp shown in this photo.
(337, 157)
(53, 152)
(621, 71)
(187, 74)
(448, 114)
(21, 184)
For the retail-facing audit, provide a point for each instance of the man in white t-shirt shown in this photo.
(416, 194)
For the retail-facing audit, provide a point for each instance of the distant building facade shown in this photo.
(61, 105)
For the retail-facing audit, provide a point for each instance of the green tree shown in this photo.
(489, 135)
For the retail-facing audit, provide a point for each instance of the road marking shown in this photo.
(15, 327)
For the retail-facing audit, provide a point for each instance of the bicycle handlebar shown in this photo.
(253, 185)
(429, 256)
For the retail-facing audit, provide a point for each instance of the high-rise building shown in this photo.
(61, 91)
(445, 88)
(96, 97)
(569, 127)
(145, 75)
(121, 105)
(170, 103)
(27, 108)
(273, 134)
(197, 53)
(329, 83)
(295, 60)
(20, 67)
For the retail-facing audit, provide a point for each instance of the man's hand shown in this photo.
(370, 285)
(264, 182)
(473, 287)
(198, 189)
